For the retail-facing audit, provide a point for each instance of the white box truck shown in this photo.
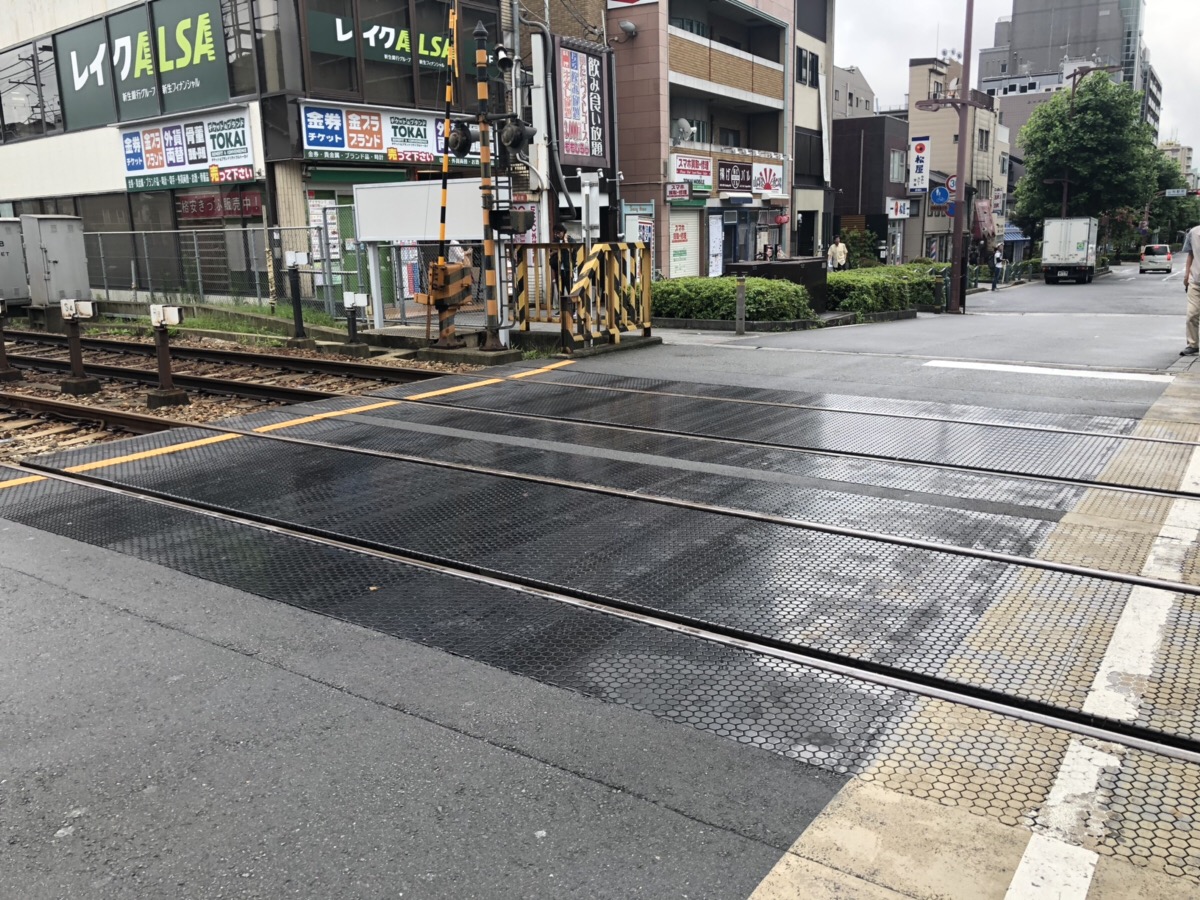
(1069, 250)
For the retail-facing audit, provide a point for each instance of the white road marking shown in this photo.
(1054, 866)
(1046, 370)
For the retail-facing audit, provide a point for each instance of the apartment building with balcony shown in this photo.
(711, 100)
(929, 228)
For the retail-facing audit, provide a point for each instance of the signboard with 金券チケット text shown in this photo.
(208, 148)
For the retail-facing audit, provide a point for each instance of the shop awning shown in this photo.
(1012, 233)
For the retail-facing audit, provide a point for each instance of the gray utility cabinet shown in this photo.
(57, 261)
(14, 284)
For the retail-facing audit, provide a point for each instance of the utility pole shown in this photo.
(963, 103)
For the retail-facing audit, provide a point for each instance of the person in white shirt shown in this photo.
(1191, 284)
(837, 255)
(997, 265)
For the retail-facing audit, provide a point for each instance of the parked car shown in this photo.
(1155, 257)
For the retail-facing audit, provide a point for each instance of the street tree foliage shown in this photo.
(1171, 216)
(1101, 146)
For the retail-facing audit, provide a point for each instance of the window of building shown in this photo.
(277, 31)
(801, 66)
(811, 18)
(850, 100)
(388, 70)
(1003, 68)
(700, 29)
(896, 170)
(837, 95)
(20, 106)
(956, 138)
(332, 46)
(50, 102)
(985, 139)
(239, 46)
(808, 164)
(814, 70)
(1003, 163)
(729, 137)
(938, 87)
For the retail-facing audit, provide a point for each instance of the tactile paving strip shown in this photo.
(953, 412)
(873, 601)
(1042, 453)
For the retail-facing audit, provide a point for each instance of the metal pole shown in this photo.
(162, 348)
(103, 266)
(352, 325)
(297, 312)
(326, 267)
(492, 339)
(958, 294)
(149, 276)
(741, 305)
(199, 274)
(7, 372)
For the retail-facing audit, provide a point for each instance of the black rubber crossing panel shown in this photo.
(794, 711)
(953, 412)
(1041, 453)
(913, 609)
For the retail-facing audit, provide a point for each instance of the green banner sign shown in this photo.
(334, 35)
(166, 57)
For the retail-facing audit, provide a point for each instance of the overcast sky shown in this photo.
(880, 37)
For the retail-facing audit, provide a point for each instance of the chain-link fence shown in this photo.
(248, 267)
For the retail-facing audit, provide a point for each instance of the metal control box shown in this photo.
(14, 282)
(56, 258)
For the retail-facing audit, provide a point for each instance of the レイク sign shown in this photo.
(918, 178)
(204, 149)
(179, 48)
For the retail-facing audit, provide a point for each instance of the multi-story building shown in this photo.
(721, 126)
(928, 230)
(852, 95)
(1042, 42)
(1178, 153)
(870, 179)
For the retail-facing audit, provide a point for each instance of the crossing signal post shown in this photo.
(492, 340)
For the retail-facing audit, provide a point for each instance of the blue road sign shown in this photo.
(950, 209)
(939, 196)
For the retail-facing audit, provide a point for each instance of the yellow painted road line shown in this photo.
(549, 368)
(291, 423)
(147, 454)
(14, 482)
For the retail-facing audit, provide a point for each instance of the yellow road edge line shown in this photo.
(28, 479)
(147, 454)
(291, 423)
(551, 367)
(455, 390)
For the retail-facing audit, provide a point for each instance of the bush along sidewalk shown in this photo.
(884, 289)
(769, 302)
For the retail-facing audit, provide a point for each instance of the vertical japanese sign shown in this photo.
(583, 104)
(918, 178)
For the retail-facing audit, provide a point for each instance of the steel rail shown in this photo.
(225, 386)
(1034, 711)
(136, 423)
(391, 374)
(816, 451)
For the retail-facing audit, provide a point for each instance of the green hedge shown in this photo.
(882, 289)
(767, 299)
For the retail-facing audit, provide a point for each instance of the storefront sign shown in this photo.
(683, 237)
(353, 134)
(984, 223)
(183, 52)
(209, 148)
(679, 190)
(918, 178)
(768, 180)
(716, 245)
(897, 209)
(639, 209)
(734, 176)
(583, 102)
(698, 170)
(382, 42)
(215, 206)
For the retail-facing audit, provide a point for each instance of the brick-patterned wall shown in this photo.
(699, 61)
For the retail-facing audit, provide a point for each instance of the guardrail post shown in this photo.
(7, 372)
(300, 340)
(167, 394)
(741, 305)
(199, 274)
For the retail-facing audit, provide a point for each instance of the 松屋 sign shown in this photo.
(352, 134)
(918, 178)
(698, 170)
(125, 68)
(213, 148)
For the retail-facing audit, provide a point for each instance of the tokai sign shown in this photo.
(197, 150)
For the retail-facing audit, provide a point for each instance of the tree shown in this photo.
(1171, 215)
(1101, 145)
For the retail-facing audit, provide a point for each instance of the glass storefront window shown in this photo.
(388, 48)
(239, 46)
(51, 104)
(332, 46)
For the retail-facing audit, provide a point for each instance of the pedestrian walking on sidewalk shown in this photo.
(837, 255)
(997, 265)
(1191, 284)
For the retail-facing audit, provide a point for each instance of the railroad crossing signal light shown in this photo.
(517, 136)
(463, 136)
